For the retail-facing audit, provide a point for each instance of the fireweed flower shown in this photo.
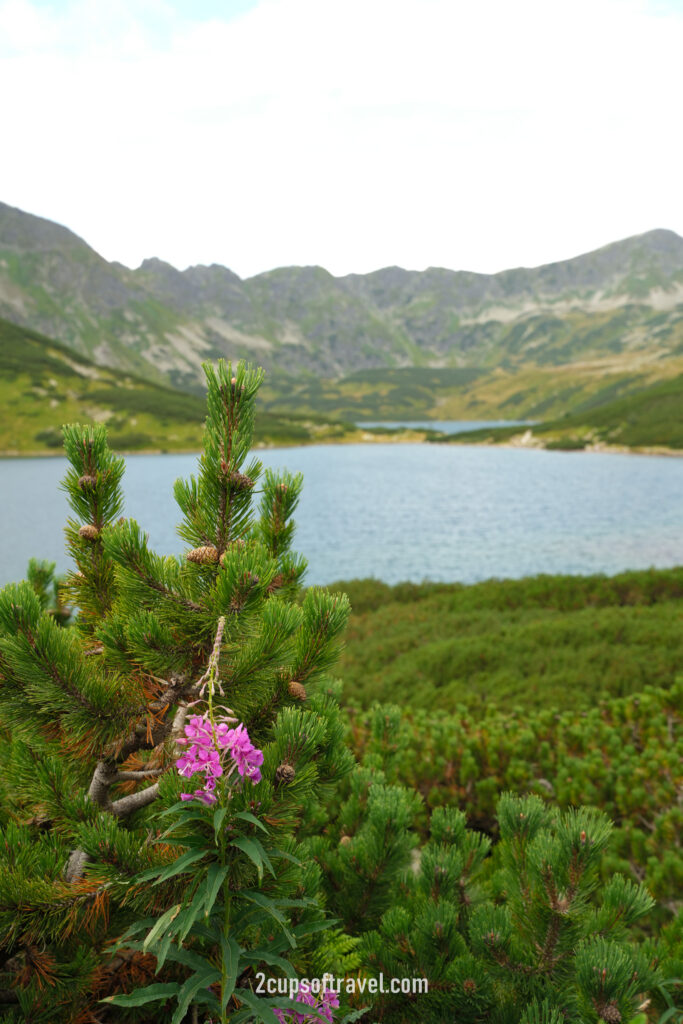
(203, 754)
(328, 1001)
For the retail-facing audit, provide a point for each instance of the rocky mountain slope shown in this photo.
(623, 302)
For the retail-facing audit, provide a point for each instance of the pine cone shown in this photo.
(610, 1014)
(203, 556)
(345, 840)
(284, 774)
(275, 583)
(89, 532)
(297, 690)
(87, 481)
(241, 482)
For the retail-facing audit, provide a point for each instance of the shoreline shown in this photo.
(590, 449)
(358, 437)
(364, 437)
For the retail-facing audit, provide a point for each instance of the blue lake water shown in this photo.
(404, 511)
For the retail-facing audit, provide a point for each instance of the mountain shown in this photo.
(622, 304)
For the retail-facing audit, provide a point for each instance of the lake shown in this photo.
(405, 511)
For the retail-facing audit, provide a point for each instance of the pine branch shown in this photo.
(127, 776)
(160, 588)
(106, 775)
(127, 804)
(142, 738)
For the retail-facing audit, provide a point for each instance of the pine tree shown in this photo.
(92, 717)
(517, 934)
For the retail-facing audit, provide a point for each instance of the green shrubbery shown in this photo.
(547, 641)
(519, 936)
(623, 757)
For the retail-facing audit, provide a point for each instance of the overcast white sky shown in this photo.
(354, 134)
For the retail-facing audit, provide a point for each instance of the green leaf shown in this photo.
(248, 816)
(183, 822)
(207, 998)
(182, 805)
(214, 881)
(285, 856)
(307, 928)
(144, 876)
(258, 956)
(231, 960)
(181, 864)
(354, 1015)
(191, 986)
(163, 951)
(161, 926)
(197, 842)
(190, 915)
(189, 959)
(307, 901)
(211, 932)
(270, 908)
(135, 929)
(251, 848)
(241, 841)
(144, 995)
(242, 1015)
(310, 927)
(218, 819)
(260, 1006)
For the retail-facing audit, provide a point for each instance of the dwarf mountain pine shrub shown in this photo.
(92, 717)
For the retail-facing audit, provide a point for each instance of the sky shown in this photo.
(351, 134)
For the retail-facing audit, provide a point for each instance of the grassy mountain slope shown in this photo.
(648, 416)
(527, 392)
(43, 384)
(653, 416)
(622, 303)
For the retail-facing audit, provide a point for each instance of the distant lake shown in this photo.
(446, 426)
(404, 511)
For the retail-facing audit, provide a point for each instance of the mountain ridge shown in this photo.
(161, 322)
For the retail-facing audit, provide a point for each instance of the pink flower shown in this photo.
(204, 755)
(245, 755)
(328, 1001)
